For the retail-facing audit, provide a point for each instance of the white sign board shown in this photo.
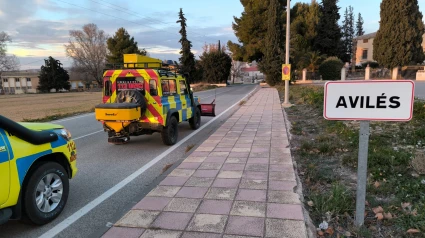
(378, 100)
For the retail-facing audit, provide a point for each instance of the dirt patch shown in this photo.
(326, 154)
(44, 107)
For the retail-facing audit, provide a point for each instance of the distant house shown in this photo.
(81, 82)
(19, 82)
(363, 48)
(250, 72)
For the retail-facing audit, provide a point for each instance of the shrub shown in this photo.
(372, 64)
(330, 69)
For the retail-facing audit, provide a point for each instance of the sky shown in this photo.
(40, 28)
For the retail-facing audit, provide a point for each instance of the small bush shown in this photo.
(373, 65)
(330, 69)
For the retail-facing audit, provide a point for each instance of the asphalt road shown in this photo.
(104, 168)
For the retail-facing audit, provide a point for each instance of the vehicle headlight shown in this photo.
(64, 133)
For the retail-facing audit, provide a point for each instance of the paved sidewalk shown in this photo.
(238, 183)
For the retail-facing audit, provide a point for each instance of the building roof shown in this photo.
(21, 73)
(366, 36)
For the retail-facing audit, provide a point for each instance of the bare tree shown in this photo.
(88, 50)
(7, 62)
(236, 70)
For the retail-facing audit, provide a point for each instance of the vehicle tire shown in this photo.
(39, 206)
(170, 133)
(195, 121)
(132, 96)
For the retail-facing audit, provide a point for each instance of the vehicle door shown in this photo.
(5, 155)
(170, 98)
(185, 99)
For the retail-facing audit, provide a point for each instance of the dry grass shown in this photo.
(32, 107)
(189, 147)
(418, 163)
(202, 87)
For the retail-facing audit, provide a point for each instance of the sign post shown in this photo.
(365, 101)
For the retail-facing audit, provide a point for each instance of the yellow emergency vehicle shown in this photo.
(36, 162)
(141, 98)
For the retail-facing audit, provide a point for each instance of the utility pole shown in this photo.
(288, 36)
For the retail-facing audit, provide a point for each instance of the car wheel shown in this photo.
(195, 121)
(170, 133)
(46, 193)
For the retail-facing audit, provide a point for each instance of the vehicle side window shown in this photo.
(183, 90)
(168, 87)
(108, 87)
(153, 88)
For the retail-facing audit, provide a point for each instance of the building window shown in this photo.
(28, 80)
(5, 80)
(364, 56)
(29, 87)
(18, 88)
(365, 40)
(17, 80)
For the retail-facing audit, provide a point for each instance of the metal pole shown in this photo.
(288, 27)
(362, 172)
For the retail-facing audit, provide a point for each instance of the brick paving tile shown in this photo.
(217, 207)
(205, 173)
(236, 160)
(230, 174)
(258, 161)
(164, 191)
(289, 176)
(251, 195)
(282, 185)
(215, 159)
(182, 173)
(243, 145)
(128, 232)
(174, 181)
(219, 154)
(249, 226)
(286, 197)
(183, 205)
(253, 184)
(255, 175)
(226, 183)
(241, 150)
(281, 168)
(235, 167)
(208, 223)
(195, 159)
(199, 154)
(160, 234)
(200, 235)
(233, 236)
(225, 145)
(199, 182)
(257, 167)
(192, 192)
(284, 211)
(189, 165)
(211, 166)
(152, 203)
(278, 228)
(239, 154)
(221, 193)
(248, 209)
(138, 218)
(172, 220)
(223, 149)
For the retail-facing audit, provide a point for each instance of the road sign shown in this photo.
(365, 101)
(379, 100)
(286, 72)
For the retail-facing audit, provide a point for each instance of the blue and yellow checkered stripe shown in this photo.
(181, 103)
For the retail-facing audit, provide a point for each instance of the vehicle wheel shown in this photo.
(46, 193)
(170, 133)
(195, 121)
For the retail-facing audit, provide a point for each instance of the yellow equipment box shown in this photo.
(141, 61)
(118, 112)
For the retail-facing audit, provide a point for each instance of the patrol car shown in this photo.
(36, 162)
(140, 97)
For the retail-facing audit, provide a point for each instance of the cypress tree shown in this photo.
(273, 58)
(187, 59)
(328, 31)
(359, 25)
(398, 41)
(53, 76)
(348, 35)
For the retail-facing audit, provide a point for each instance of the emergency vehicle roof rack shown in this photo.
(161, 70)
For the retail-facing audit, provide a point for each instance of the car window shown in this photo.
(183, 87)
(153, 88)
(168, 87)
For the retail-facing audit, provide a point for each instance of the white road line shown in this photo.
(87, 135)
(87, 208)
(72, 118)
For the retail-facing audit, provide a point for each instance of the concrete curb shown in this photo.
(310, 227)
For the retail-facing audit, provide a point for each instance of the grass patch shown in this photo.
(203, 87)
(56, 116)
(327, 152)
